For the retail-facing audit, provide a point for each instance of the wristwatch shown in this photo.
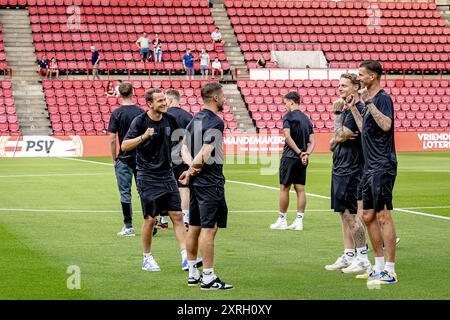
(368, 101)
(337, 112)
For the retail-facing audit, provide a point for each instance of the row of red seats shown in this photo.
(127, 12)
(107, 3)
(330, 4)
(147, 84)
(324, 21)
(260, 29)
(353, 13)
(59, 23)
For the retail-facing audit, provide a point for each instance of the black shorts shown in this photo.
(377, 191)
(360, 187)
(208, 207)
(177, 171)
(158, 198)
(344, 192)
(292, 171)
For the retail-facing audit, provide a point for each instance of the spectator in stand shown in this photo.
(116, 89)
(217, 66)
(43, 66)
(204, 64)
(216, 37)
(261, 63)
(110, 91)
(157, 50)
(95, 61)
(144, 48)
(188, 64)
(53, 68)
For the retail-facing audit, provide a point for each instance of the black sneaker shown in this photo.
(216, 284)
(163, 226)
(192, 281)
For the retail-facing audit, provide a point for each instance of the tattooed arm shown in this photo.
(341, 133)
(383, 121)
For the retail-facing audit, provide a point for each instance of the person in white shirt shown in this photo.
(216, 65)
(216, 37)
(144, 49)
(204, 64)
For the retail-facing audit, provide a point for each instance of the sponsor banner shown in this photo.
(96, 146)
(41, 146)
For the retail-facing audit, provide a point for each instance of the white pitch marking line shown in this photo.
(116, 211)
(56, 175)
(274, 188)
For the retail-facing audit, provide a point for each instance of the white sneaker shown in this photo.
(342, 262)
(297, 225)
(126, 232)
(358, 265)
(149, 264)
(280, 224)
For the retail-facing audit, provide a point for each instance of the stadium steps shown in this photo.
(28, 94)
(445, 10)
(232, 49)
(239, 109)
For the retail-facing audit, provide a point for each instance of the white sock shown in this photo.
(183, 254)
(186, 216)
(390, 267)
(283, 215)
(193, 271)
(164, 219)
(300, 215)
(147, 255)
(349, 253)
(208, 275)
(362, 253)
(379, 264)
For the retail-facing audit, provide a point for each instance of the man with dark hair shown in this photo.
(208, 208)
(380, 169)
(348, 163)
(183, 118)
(150, 134)
(124, 162)
(300, 143)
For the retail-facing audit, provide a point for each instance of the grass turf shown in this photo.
(38, 247)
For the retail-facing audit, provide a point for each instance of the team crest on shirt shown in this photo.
(167, 131)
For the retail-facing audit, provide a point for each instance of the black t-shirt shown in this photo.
(348, 156)
(207, 128)
(379, 146)
(119, 123)
(153, 158)
(182, 117)
(301, 127)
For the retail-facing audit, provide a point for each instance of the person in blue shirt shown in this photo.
(95, 61)
(43, 66)
(188, 64)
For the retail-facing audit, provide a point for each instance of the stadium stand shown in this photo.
(411, 36)
(418, 104)
(8, 117)
(3, 64)
(81, 107)
(113, 26)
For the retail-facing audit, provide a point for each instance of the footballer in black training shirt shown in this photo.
(150, 134)
(182, 118)
(208, 208)
(124, 162)
(300, 143)
(380, 169)
(347, 169)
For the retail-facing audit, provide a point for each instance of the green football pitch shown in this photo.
(58, 213)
